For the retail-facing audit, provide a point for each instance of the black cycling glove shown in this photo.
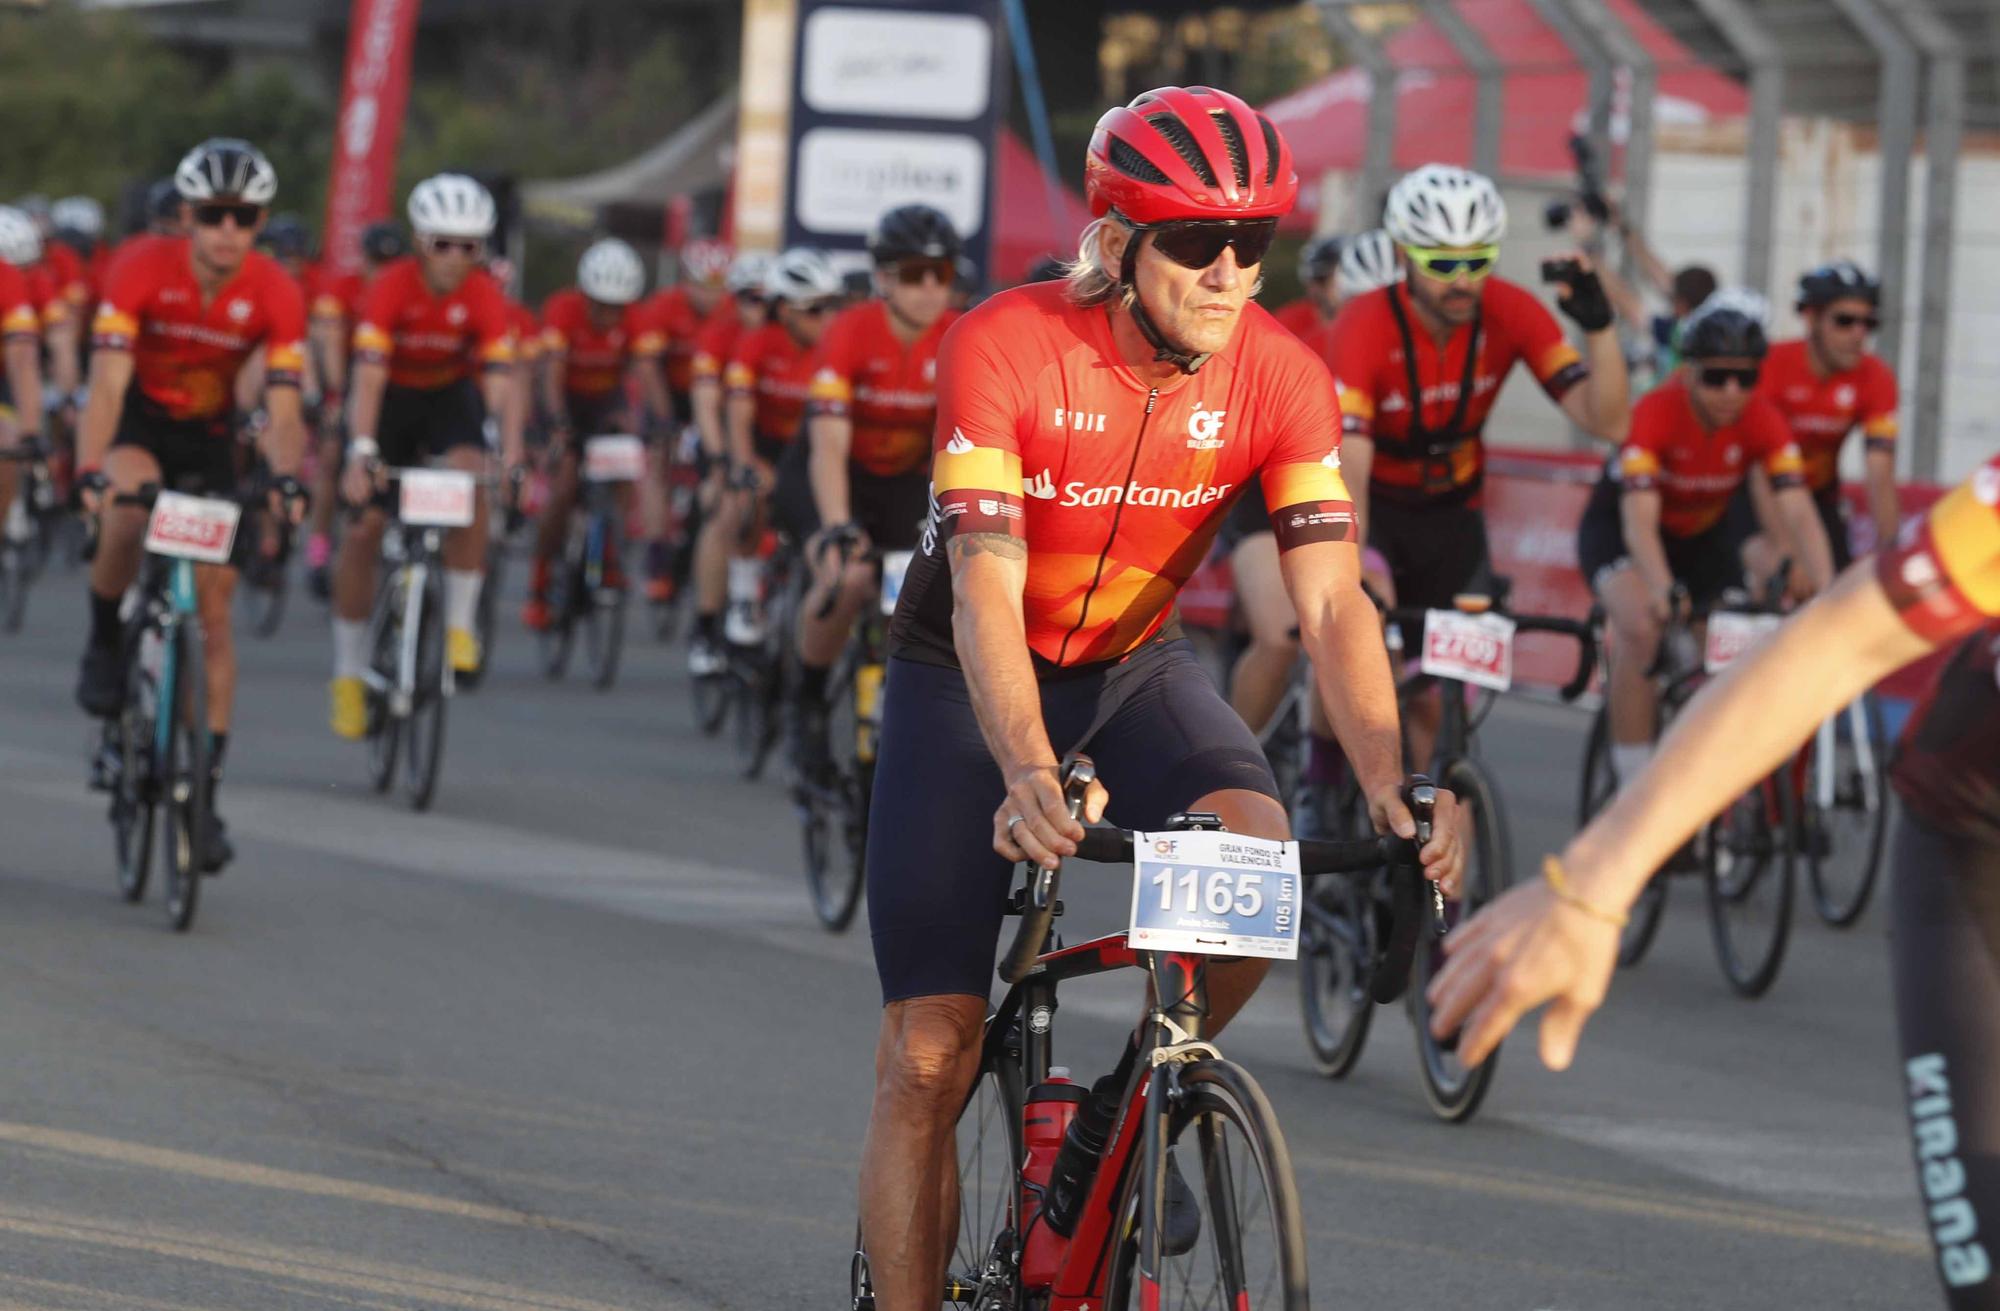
(1586, 302)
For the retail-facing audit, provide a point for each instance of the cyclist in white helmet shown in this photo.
(427, 324)
(21, 308)
(590, 338)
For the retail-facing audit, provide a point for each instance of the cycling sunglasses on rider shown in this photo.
(1717, 377)
(1844, 320)
(214, 214)
(1198, 243)
(913, 272)
(1475, 262)
(471, 246)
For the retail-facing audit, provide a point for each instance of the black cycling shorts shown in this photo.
(1706, 564)
(936, 889)
(1832, 506)
(595, 416)
(418, 426)
(195, 455)
(890, 510)
(1434, 553)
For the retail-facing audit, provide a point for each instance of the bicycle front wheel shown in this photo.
(426, 726)
(1751, 855)
(1845, 820)
(184, 779)
(385, 645)
(15, 575)
(1600, 784)
(1337, 945)
(133, 800)
(1235, 1239)
(1453, 1089)
(560, 636)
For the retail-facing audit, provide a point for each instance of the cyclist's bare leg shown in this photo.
(122, 535)
(925, 1061)
(820, 639)
(1634, 641)
(354, 567)
(653, 489)
(554, 524)
(326, 485)
(1264, 670)
(214, 591)
(465, 548)
(711, 556)
(10, 472)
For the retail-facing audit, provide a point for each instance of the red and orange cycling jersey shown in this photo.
(431, 341)
(335, 296)
(1428, 450)
(888, 390)
(20, 316)
(186, 354)
(1299, 317)
(70, 276)
(1822, 411)
(771, 367)
(1944, 574)
(1695, 469)
(668, 327)
(528, 345)
(1117, 487)
(715, 343)
(593, 358)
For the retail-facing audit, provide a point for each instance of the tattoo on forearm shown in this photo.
(1005, 545)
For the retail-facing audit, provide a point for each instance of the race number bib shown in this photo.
(1217, 893)
(436, 498)
(192, 527)
(1476, 649)
(618, 459)
(1731, 633)
(895, 564)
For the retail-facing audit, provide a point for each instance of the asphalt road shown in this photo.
(574, 1042)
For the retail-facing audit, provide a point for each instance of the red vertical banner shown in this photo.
(373, 94)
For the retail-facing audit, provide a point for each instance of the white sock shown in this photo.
(1628, 759)
(461, 598)
(350, 647)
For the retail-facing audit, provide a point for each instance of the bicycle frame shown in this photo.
(178, 595)
(412, 574)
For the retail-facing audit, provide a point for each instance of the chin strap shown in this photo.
(1163, 351)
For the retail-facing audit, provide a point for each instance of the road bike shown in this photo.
(409, 681)
(26, 537)
(1190, 1200)
(1466, 657)
(587, 590)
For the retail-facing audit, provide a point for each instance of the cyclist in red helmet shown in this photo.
(1091, 437)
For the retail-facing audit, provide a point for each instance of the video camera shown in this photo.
(1589, 189)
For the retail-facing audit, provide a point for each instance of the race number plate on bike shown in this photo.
(1475, 649)
(436, 498)
(192, 527)
(1731, 634)
(614, 459)
(1218, 893)
(894, 565)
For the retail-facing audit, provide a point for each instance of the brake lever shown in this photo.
(1420, 795)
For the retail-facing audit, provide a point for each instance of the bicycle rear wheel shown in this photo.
(266, 579)
(1751, 851)
(134, 799)
(1337, 946)
(1454, 1090)
(385, 726)
(427, 709)
(1250, 1254)
(1599, 785)
(1843, 840)
(834, 811)
(184, 779)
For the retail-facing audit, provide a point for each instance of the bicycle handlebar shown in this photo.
(1410, 619)
(1317, 857)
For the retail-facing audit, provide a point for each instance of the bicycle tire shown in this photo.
(608, 638)
(1269, 1272)
(1596, 788)
(427, 709)
(558, 639)
(385, 726)
(986, 1249)
(15, 575)
(1841, 906)
(713, 697)
(184, 780)
(833, 811)
(1750, 939)
(1336, 942)
(134, 800)
(1454, 1092)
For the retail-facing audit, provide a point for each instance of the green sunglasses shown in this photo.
(1476, 262)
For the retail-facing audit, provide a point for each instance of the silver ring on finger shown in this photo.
(1012, 820)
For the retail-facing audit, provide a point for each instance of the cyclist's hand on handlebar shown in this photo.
(357, 481)
(1443, 856)
(289, 500)
(1045, 833)
(91, 486)
(1525, 949)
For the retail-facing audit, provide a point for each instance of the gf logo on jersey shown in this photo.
(1205, 429)
(455, 315)
(1332, 460)
(239, 310)
(1042, 487)
(930, 370)
(959, 444)
(1843, 395)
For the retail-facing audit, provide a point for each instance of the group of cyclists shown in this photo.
(1060, 459)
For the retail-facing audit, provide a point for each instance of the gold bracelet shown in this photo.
(1552, 870)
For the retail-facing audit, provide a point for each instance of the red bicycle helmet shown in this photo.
(1188, 153)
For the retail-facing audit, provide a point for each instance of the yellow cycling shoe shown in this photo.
(461, 645)
(350, 708)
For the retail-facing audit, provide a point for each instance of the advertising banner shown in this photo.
(374, 92)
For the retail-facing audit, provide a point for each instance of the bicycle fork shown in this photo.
(1826, 783)
(403, 698)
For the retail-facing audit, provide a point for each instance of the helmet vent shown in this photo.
(1232, 137)
(1270, 150)
(1183, 142)
(1127, 160)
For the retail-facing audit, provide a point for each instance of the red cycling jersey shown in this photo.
(1434, 454)
(336, 295)
(1943, 577)
(593, 358)
(668, 327)
(1695, 469)
(1300, 317)
(888, 390)
(430, 341)
(20, 315)
(1117, 487)
(528, 344)
(772, 367)
(715, 343)
(1822, 411)
(69, 274)
(186, 354)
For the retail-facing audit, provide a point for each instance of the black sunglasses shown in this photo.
(1846, 320)
(912, 272)
(214, 215)
(1718, 378)
(1198, 243)
(446, 245)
